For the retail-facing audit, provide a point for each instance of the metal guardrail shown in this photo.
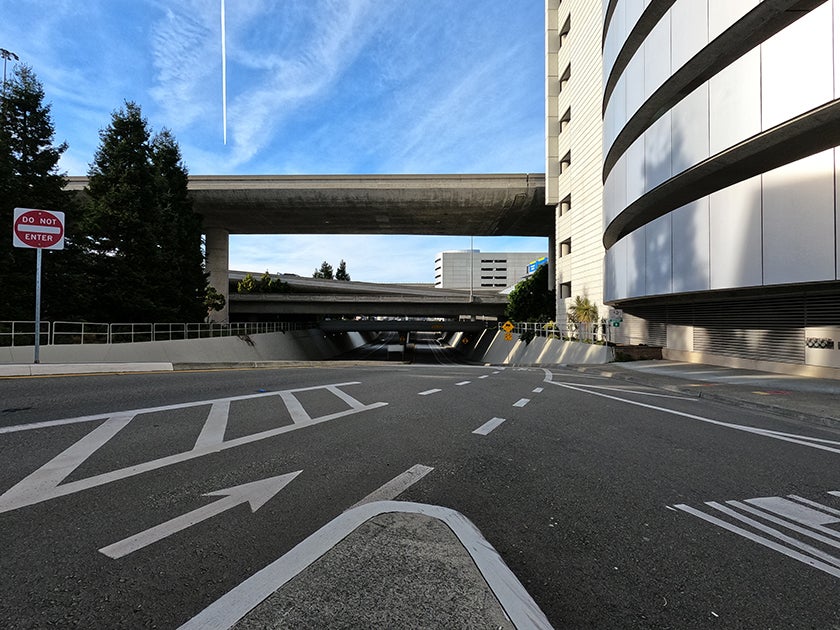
(596, 332)
(22, 333)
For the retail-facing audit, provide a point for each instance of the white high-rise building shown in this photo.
(481, 271)
(691, 156)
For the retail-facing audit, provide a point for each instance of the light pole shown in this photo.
(7, 55)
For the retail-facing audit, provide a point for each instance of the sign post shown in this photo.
(38, 229)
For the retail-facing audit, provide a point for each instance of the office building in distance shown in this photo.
(490, 270)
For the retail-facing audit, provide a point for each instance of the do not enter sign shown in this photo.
(40, 229)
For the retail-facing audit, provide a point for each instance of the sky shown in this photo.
(312, 87)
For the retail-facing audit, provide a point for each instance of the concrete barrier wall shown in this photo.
(540, 351)
(300, 345)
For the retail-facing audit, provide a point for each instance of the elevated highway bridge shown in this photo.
(457, 205)
(318, 298)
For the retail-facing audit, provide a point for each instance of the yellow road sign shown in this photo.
(507, 326)
(508, 337)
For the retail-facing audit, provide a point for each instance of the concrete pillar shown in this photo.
(552, 263)
(218, 262)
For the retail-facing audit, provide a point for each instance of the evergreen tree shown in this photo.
(325, 272)
(141, 232)
(530, 300)
(29, 178)
(341, 272)
(179, 234)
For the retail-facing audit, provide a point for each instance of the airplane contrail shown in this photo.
(224, 78)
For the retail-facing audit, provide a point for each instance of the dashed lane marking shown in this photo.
(488, 426)
(429, 391)
(521, 402)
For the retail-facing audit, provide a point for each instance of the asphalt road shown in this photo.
(607, 500)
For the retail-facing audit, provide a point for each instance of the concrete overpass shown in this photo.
(320, 298)
(408, 325)
(468, 205)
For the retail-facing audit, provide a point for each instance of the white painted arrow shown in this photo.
(256, 493)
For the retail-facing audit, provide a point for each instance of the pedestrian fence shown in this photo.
(22, 333)
(595, 332)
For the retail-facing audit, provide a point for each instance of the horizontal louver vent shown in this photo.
(758, 328)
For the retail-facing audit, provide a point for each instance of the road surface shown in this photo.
(131, 501)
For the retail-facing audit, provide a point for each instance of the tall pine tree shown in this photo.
(179, 232)
(29, 178)
(142, 232)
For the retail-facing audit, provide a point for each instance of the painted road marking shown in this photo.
(521, 402)
(45, 483)
(518, 605)
(830, 446)
(816, 543)
(488, 426)
(537, 390)
(256, 493)
(397, 485)
(464, 383)
(213, 431)
(429, 391)
(484, 376)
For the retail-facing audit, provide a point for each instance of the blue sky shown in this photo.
(313, 87)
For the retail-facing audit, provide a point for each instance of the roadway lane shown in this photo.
(593, 493)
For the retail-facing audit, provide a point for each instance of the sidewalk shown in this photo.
(807, 399)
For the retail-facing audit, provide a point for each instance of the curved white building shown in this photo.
(719, 226)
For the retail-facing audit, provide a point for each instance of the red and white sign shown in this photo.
(40, 229)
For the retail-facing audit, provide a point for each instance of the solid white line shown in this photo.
(234, 605)
(464, 383)
(295, 408)
(827, 568)
(774, 532)
(786, 437)
(47, 477)
(819, 506)
(633, 391)
(538, 390)
(521, 402)
(213, 431)
(488, 426)
(134, 412)
(399, 484)
(429, 391)
(791, 526)
(347, 398)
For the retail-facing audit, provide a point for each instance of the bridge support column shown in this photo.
(552, 263)
(216, 245)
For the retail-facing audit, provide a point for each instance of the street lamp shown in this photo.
(7, 55)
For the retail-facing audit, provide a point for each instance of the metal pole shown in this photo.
(37, 305)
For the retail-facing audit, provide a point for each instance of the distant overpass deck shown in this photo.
(364, 305)
(407, 325)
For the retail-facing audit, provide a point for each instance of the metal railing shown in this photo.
(596, 332)
(22, 333)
